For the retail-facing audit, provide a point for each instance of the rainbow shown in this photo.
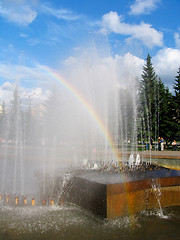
(69, 87)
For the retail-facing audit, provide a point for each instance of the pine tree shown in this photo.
(167, 123)
(148, 100)
(176, 87)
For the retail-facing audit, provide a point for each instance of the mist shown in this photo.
(87, 114)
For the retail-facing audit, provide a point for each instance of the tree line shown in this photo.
(158, 109)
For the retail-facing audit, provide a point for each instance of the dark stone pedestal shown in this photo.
(116, 194)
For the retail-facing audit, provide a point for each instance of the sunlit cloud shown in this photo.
(143, 6)
(90, 65)
(144, 32)
(106, 71)
(22, 76)
(32, 95)
(6, 92)
(167, 62)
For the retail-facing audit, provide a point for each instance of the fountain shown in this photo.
(80, 146)
(123, 190)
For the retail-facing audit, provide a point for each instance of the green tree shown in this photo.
(176, 87)
(148, 101)
(167, 112)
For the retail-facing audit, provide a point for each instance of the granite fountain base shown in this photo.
(114, 194)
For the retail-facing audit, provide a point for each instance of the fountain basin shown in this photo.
(112, 195)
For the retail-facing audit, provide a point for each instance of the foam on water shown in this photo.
(71, 222)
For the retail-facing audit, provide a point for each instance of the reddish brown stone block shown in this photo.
(117, 194)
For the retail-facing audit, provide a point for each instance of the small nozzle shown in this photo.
(33, 202)
(16, 200)
(43, 202)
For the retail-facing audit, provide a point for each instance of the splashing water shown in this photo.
(157, 192)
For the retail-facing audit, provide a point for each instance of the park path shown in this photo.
(161, 154)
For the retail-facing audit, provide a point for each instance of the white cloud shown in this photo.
(143, 6)
(150, 37)
(166, 63)
(7, 86)
(104, 72)
(20, 14)
(62, 13)
(70, 61)
(23, 75)
(129, 67)
(6, 92)
(87, 69)
(35, 95)
(12, 75)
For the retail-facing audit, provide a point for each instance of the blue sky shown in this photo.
(51, 33)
